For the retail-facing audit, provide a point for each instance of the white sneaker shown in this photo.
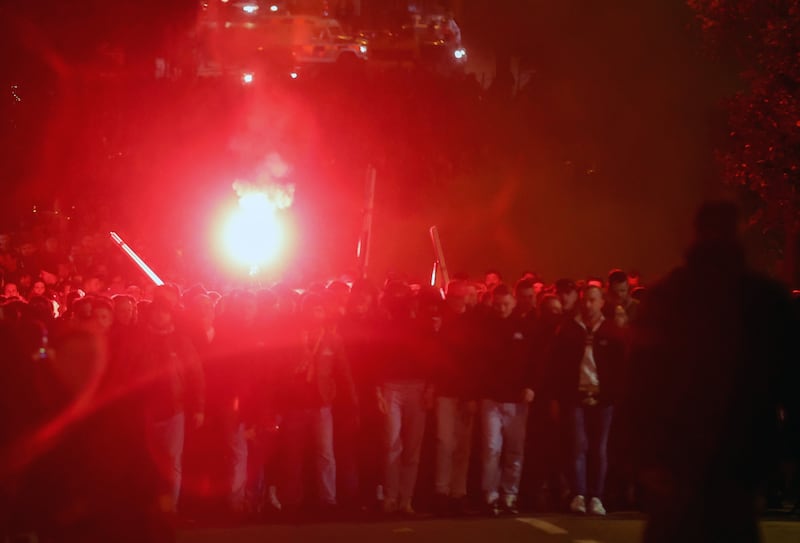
(273, 498)
(578, 505)
(596, 507)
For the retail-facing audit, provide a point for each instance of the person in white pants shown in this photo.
(507, 390)
(456, 405)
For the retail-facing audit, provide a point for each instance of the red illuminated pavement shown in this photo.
(545, 529)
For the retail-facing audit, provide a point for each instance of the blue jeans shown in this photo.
(165, 439)
(405, 426)
(503, 426)
(589, 427)
(302, 426)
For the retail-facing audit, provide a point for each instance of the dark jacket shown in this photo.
(173, 375)
(401, 352)
(545, 333)
(709, 367)
(319, 372)
(231, 362)
(359, 335)
(567, 354)
(457, 372)
(509, 364)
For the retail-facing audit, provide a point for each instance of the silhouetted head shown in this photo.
(567, 292)
(397, 299)
(124, 309)
(619, 290)
(717, 221)
(592, 302)
(717, 249)
(314, 309)
(493, 278)
(503, 301)
(551, 309)
(525, 293)
(457, 296)
(102, 313)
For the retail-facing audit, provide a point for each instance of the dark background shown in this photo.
(598, 161)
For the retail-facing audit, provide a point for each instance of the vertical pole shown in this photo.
(439, 255)
(365, 240)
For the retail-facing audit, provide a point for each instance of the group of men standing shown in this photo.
(348, 379)
(515, 355)
(238, 395)
(365, 382)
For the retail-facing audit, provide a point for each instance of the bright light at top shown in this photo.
(273, 8)
(253, 235)
(460, 53)
(293, 75)
(363, 49)
(247, 78)
(250, 8)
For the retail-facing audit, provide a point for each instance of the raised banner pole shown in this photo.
(441, 267)
(136, 259)
(365, 240)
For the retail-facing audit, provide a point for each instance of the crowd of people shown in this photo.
(343, 398)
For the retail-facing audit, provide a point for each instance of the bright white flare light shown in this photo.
(253, 236)
(247, 78)
(273, 8)
(460, 53)
(250, 8)
(293, 75)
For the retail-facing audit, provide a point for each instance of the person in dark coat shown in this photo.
(506, 390)
(317, 372)
(587, 360)
(712, 345)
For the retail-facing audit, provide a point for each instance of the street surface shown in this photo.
(623, 528)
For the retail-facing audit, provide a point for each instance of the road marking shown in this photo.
(543, 525)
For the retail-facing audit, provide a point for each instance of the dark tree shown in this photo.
(761, 156)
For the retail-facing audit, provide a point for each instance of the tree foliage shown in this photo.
(762, 153)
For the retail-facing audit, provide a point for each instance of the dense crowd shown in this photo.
(342, 398)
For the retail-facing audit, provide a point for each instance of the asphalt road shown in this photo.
(546, 529)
